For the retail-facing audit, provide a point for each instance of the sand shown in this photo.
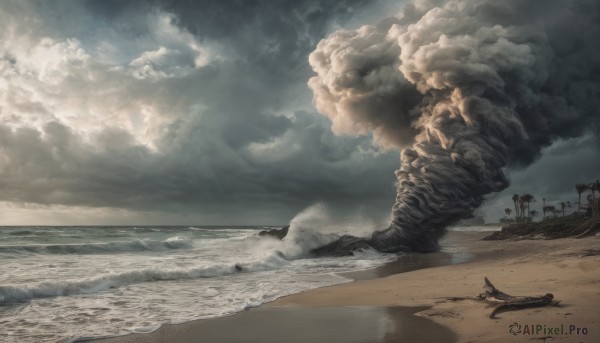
(303, 324)
(379, 307)
(527, 267)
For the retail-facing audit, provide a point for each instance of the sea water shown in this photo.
(64, 283)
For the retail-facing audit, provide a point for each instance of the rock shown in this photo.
(344, 246)
(277, 233)
(390, 241)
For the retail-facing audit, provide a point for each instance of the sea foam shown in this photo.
(137, 245)
(25, 292)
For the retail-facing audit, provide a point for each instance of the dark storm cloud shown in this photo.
(57, 167)
(202, 106)
(571, 162)
(553, 177)
(273, 37)
(276, 35)
(177, 107)
(497, 82)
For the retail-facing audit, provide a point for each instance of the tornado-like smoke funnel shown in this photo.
(464, 88)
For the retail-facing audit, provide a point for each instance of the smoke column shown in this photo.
(465, 89)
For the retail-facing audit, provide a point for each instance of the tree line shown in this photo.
(524, 213)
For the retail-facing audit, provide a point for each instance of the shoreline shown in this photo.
(452, 252)
(522, 267)
(346, 324)
(382, 290)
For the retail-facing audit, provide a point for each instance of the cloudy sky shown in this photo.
(197, 112)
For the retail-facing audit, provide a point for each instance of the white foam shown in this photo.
(145, 329)
(115, 293)
(24, 292)
(144, 244)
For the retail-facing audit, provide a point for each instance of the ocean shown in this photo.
(58, 284)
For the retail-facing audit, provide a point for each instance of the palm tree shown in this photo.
(562, 207)
(527, 198)
(549, 209)
(533, 213)
(595, 186)
(507, 212)
(543, 208)
(590, 201)
(522, 206)
(580, 188)
(515, 199)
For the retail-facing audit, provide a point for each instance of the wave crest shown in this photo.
(176, 242)
(25, 292)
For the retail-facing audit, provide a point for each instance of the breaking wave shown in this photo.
(176, 242)
(21, 293)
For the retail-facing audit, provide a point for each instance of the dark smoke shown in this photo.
(465, 88)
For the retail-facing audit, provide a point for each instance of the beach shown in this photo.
(58, 284)
(299, 171)
(443, 298)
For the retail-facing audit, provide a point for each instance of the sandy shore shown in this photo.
(379, 307)
(516, 267)
(303, 325)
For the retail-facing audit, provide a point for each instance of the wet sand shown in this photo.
(379, 306)
(568, 268)
(301, 325)
(454, 251)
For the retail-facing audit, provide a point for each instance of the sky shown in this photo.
(199, 113)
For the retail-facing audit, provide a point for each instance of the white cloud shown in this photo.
(56, 79)
(177, 54)
(120, 106)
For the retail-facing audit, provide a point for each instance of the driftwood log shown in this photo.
(511, 303)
